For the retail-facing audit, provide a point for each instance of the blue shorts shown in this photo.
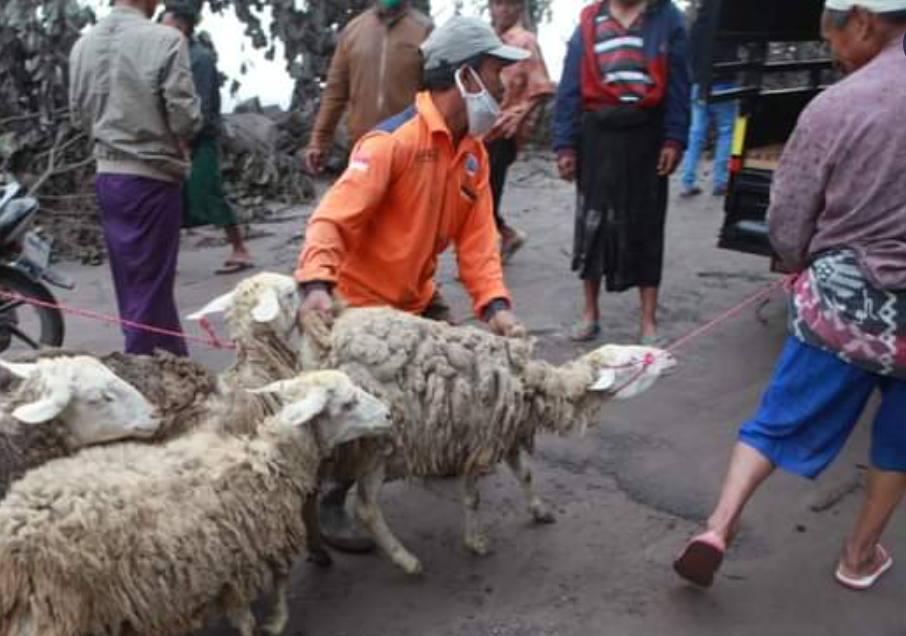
(813, 403)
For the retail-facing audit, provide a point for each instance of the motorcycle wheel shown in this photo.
(25, 327)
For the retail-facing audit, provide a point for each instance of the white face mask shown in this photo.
(482, 109)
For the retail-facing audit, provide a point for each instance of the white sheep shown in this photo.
(462, 401)
(154, 540)
(61, 405)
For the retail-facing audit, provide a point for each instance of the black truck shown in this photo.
(782, 66)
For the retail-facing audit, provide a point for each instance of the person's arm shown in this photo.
(207, 84)
(679, 89)
(479, 260)
(569, 98)
(333, 100)
(522, 117)
(181, 101)
(797, 192)
(342, 218)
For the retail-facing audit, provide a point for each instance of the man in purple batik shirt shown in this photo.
(838, 219)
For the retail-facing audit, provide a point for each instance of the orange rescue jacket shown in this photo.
(407, 194)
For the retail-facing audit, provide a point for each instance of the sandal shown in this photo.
(701, 558)
(585, 330)
(509, 249)
(866, 581)
(655, 341)
(234, 267)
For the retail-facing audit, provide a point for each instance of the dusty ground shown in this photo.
(627, 495)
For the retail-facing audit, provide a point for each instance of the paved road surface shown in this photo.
(627, 495)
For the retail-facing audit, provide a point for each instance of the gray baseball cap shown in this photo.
(461, 39)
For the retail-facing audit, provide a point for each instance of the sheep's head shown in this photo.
(626, 371)
(93, 403)
(329, 399)
(266, 302)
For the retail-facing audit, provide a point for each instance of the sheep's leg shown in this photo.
(474, 539)
(520, 468)
(243, 620)
(369, 512)
(278, 616)
(311, 517)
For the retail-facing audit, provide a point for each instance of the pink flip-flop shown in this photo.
(861, 583)
(701, 558)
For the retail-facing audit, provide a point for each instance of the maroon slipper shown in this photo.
(701, 558)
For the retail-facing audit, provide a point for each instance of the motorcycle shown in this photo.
(24, 270)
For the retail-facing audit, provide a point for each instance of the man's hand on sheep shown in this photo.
(505, 323)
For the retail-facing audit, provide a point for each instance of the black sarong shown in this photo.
(622, 202)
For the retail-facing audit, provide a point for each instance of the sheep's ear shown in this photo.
(274, 387)
(302, 411)
(219, 305)
(44, 409)
(605, 381)
(268, 307)
(22, 371)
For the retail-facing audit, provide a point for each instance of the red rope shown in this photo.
(211, 341)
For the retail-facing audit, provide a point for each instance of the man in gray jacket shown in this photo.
(131, 89)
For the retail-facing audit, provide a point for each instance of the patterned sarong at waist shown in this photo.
(835, 308)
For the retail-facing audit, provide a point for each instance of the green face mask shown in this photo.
(390, 4)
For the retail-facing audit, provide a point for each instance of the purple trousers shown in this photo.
(141, 218)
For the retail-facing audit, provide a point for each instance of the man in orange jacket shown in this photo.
(416, 184)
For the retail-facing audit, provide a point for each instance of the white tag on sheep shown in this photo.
(219, 305)
(268, 307)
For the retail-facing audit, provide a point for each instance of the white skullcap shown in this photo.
(875, 6)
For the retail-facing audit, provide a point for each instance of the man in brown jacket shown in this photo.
(375, 72)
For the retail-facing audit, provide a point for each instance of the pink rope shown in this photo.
(212, 341)
(702, 330)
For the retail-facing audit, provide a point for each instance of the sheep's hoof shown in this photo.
(320, 557)
(543, 515)
(274, 627)
(478, 545)
(409, 564)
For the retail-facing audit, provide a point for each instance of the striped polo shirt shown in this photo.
(621, 57)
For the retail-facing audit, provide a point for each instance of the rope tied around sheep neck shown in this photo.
(212, 341)
(651, 358)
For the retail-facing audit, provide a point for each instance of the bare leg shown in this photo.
(370, 514)
(885, 491)
(648, 297)
(474, 539)
(592, 292)
(748, 469)
(278, 617)
(540, 511)
(234, 236)
(311, 517)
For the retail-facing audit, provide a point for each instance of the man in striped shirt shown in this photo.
(620, 127)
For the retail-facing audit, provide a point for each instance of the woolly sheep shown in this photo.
(153, 540)
(260, 313)
(176, 386)
(462, 401)
(61, 405)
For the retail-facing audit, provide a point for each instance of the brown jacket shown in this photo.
(376, 71)
(131, 89)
